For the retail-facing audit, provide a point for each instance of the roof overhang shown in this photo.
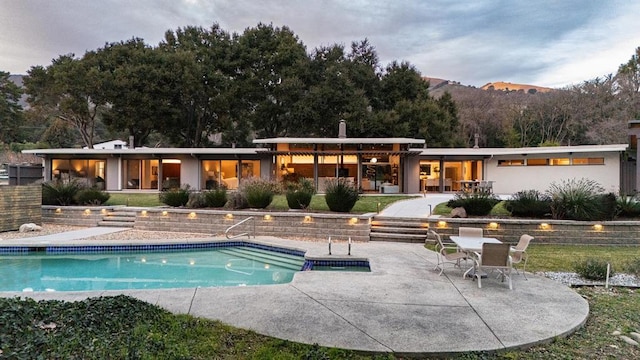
(288, 140)
(148, 151)
(545, 150)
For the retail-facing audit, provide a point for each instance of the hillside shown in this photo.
(507, 86)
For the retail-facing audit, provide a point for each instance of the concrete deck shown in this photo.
(401, 306)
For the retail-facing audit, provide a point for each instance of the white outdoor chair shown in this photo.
(519, 253)
(494, 257)
(469, 232)
(446, 253)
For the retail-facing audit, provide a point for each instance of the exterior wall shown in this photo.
(20, 205)
(113, 174)
(557, 231)
(190, 172)
(511, 179)
(412, 175)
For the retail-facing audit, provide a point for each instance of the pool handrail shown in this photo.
(226, 232)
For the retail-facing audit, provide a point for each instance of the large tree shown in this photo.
(204, 97)
(271, 61)
(138, 83)
(10, 109)
(69, 89)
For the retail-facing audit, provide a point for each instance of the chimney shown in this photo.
(342, 129)
(132, 144)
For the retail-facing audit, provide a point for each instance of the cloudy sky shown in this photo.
(544, 42)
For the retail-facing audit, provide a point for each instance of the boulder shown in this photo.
(458, 212)
(29, 227)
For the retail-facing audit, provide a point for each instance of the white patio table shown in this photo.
(472, 245)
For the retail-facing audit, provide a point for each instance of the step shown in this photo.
(116, 223)
(281, 260)
(407, 238)
(119, 218)
(122, 214)
(401, 230)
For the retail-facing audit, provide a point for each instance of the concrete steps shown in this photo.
(395, 229)
(119, 218)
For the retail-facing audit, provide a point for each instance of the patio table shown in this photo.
(472, 245)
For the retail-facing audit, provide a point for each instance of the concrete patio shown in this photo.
(401, 306)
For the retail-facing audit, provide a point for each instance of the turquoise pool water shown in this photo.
(87, 271)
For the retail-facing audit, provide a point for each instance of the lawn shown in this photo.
(365, 204)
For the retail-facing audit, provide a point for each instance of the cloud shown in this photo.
(542, 42)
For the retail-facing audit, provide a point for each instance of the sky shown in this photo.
(544, 42)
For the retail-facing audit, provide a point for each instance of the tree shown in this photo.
(204, 79)
(628, 82)
(70, 89)
(271, 61)
(139, 83)
(10, 109)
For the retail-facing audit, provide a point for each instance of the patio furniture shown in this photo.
(472, 245)
(519, 253)
(469, 232)
(494, 257)
(446, 253)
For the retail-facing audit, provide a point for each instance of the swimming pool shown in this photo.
(91, 268)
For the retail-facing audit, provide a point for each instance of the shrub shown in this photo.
(608, 206)
(300, 193)
(60, 192)
(176, 196)
(576, 200)
(474, 203)
(258, 192)
(341, 195)
(592, 269)
(237, 200)
(91, 196)
(196, 200)
(628, 206)
(529, 203)
(633, 266)
(216, 198)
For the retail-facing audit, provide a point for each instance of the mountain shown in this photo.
(507, 86)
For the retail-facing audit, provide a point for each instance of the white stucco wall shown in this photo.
(190, 172)
(511, 179)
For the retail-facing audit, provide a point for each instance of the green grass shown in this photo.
(562, 257)
(498, 210)
(141, 200)
(365, 204)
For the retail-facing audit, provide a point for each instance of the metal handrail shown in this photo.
(226, 232)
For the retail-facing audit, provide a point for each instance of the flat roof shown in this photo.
(255, 151)
(522, 151)
(288, 140)
(149, 151)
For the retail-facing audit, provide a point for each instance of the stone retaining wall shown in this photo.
(555, 231)
(20, 205)
(294, 225)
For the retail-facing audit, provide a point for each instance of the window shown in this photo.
(588, 161)
(537, 162)
(514, 162)
(559, 161)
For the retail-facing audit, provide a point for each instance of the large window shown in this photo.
(144, 174)
(552, 161)
(89, 172)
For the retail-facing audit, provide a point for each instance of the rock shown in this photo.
(459, 212)
(616, 333)
(635, 335)
(628, 340)
(29, 227)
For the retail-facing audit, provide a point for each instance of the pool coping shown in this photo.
(401, 306)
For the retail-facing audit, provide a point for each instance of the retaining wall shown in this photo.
(20, 205)
(293, 225)
(554, 232)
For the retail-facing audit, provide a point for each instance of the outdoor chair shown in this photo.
(494, 257)
(519, 253)
(446, 253)
(469, 232)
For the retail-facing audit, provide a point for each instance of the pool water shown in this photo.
(227, 266)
